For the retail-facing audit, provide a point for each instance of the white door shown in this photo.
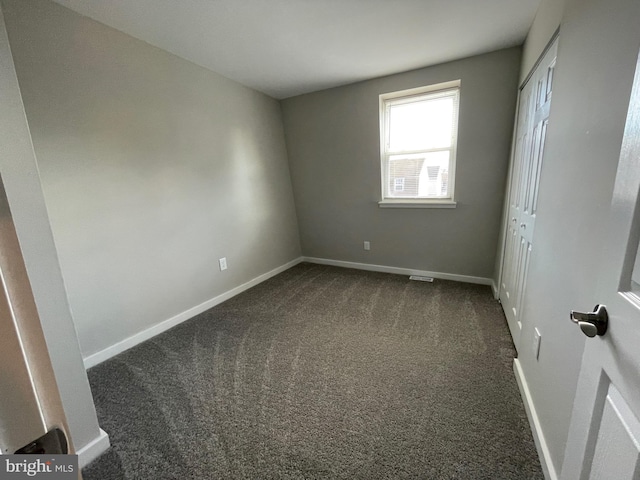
(531, 130)
(32, 418)
(604, 436)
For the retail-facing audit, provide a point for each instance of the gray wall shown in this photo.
(598, 48)
(334, 157)
(545, 24)
(20, 177)
(152, 169)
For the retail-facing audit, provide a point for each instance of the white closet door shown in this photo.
(531, 129)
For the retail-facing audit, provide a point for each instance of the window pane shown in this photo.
(421, 125)
(421, 175)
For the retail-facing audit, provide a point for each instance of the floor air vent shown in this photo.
(420, 278)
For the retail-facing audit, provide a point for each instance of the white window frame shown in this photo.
(407, 96)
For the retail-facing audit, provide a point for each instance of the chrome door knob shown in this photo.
(592, 323)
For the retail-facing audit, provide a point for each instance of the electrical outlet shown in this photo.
(367, 245)
(223, 263)
(536, 343)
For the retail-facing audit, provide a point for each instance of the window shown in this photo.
(418, 133)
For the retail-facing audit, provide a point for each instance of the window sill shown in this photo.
(417, 204)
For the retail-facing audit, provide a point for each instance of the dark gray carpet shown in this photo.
(322, 372)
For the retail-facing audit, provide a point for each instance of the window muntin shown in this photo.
(418, 142)
(398, 184)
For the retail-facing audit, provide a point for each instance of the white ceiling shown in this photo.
(289, 47)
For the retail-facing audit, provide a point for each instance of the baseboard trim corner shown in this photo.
(494, 287)
(538, 436)
(93, 449)
(399, 270)
(137, 338)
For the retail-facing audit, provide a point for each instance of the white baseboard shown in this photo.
(494, 287)
(132, 341)
(538, 437)
(93, 449)
(398, 270)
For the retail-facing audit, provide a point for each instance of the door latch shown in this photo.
(592, 323)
